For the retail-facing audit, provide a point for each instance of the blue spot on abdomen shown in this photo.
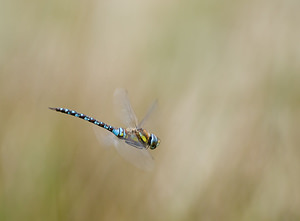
(116, 131)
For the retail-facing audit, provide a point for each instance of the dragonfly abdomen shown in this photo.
(84, 117)
(120, 132)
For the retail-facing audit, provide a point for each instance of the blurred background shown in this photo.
(226, 75)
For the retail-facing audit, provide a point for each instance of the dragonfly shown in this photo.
(132, 142)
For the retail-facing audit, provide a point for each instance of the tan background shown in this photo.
(225, 73)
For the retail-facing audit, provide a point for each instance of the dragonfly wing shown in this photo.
(124, 109)
(105, 138)
(138, 156)
(148, 114)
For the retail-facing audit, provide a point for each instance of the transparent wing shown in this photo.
(148, 114)
(139, 157)
(136, 155)
(105, 138)
(123, 108)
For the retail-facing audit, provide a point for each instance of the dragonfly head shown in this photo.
(153, 142)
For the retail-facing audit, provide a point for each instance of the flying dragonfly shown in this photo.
(132, 142)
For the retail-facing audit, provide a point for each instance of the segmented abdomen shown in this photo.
(84, 117)
(120, 132)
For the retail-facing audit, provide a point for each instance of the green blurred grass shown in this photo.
(226, 76)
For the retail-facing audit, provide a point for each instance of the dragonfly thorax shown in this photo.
(137, 137)
(150, 140)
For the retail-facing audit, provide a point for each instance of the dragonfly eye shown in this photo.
(153, 141)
